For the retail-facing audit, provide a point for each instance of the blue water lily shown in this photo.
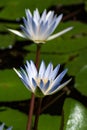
(2, 127)
(39, 28)
(46, 81)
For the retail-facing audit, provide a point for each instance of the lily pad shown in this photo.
(47, 122)
(81, 80)
(11, 88)
(13, 118)
(75, 115)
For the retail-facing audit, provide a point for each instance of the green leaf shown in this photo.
(75, 115)
(81, 80)
(47, 122)
(13, 118)
(11, 87)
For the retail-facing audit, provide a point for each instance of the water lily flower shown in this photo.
(46, 81)
(39, 28)
(2, 127)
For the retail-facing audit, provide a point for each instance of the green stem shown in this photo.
(33, 96)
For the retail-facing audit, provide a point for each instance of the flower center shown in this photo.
(39, 41)
(43, 79)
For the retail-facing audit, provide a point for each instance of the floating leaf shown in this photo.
(81, 80)
(47, 122)
(11, 88)
(75, 115)
(13, 118)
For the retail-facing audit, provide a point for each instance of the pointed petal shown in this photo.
(18, 73)
(30, 24)
(25, 23)
(59, 78)
(48, 70)
(43, 30)
(29, 70)
(36, 16)
(30, 73)
(45, 88)
(34, 84)
(17, 33)
(2, 126)
(54, 72)
(27, 85)
(58, 19)
(41, 84)
(57, 81)
(52, 91)
(42, 69)
(49, 30)
(26, 32)
(24, 78)
(33, 67)
(55, 22)
(49, 16)
(59, 34)
(28, 14)
(34, 29)
(43, 16)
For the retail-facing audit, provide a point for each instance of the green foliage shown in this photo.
(11, 88)
(13, 118)
(50, 122)
(75, 115)
(69, 49)
(81, 80)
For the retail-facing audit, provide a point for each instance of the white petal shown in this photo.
(49, 16)
(42, 69)
(49, 30)
(59, 34)
(58, 88)
(34, 84)
(58, 20)
(17, 33)
(23, 76)
(36, 16)
(30, 24)
(57, 81)
(41, 85)
(33, 67)
(54, 72)
(34, 29)
(29, 72)
(28, 14)
(48, 70)
(27, 85)
(43, 31)
(43, 17)
(26, 78)
(26, 32)
(2, 126)
(18, 73)
(46, 87)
